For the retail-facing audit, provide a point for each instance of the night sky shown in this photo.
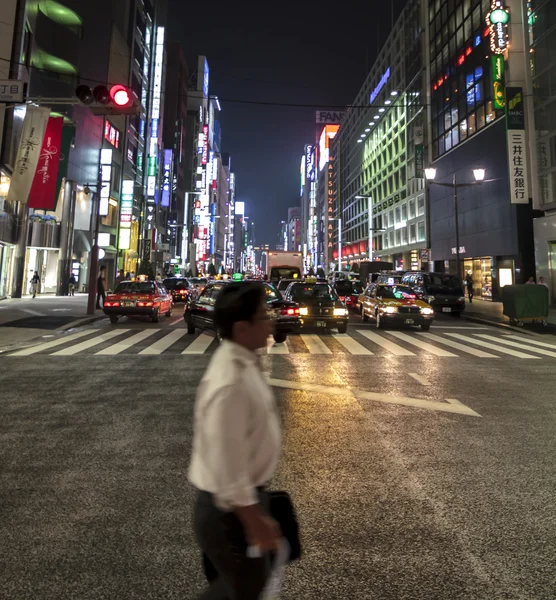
(311, 53)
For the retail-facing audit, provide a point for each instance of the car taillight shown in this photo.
(289, 312)
(109, 303)
(145, 303)
(182, 291)
(342, 298)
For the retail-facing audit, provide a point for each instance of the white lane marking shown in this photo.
(273, 348)
(525, 340)
(450, 406)
(48, 345)
(32, 312)
(456, 327)
(100, 339)
(490, 346)
(351, 345)
(514, 344)
(386, 344)
(200, 344)
(127, 343)
(164, 343)
(419, 378)
(315, 344)
(62, 309)
(177, 321)
(457, 346)
(423, 345)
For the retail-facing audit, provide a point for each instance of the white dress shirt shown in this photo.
(236, 441)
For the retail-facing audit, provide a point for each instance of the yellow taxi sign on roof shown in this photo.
(310, 280)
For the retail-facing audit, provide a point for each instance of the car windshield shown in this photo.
(395, 292)
(284, 283)
(135, 287)
(307, 291)
(438, 282)
(344, 288)
(176, 284)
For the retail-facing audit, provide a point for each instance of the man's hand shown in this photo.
(261, 531)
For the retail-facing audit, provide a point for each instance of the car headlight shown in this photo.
(390, 310)
(303, 312)
(340, 312)
(427, 311)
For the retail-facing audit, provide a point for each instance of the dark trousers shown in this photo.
(222, 539)
(100, 295)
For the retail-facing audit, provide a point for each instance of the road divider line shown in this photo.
(273, 348)
(457, 346)
(53, 344)
(384, 343)
(423, 345)
(200, 344)
(127, 343)
(99, 339)
(420, 379)
(314, 344)
(351, 345)
(496, 347)
(451, 406)
(164, 343)
(521, 346)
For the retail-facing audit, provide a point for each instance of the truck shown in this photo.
(369, 270)
(281, 264)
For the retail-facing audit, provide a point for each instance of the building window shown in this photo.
(412, 209)
(404, 213)
(404, 236)
(420, 206)
(398, 215)
(412, 234)
(421, 230)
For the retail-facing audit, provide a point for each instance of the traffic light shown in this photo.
(116, 100)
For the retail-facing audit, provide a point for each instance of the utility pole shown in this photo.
(93, 263)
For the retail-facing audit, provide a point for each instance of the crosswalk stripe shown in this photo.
(48, 345)
(513, 344)
(176, 322)
(496, 347)
(164, 343)
(351, 345)
(99, 339)
(200, 344)
(127, 343)
(527, 340)
(273, 348)
(458, 346)
(384, 343)
(423, 345)
(315, 344)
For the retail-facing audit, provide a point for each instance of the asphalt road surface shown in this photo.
(422, 465)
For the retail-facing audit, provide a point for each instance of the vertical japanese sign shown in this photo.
(517, 146)
(419, 152)
(330, 207)
(126, 214)
(166, 178)
(498, 86)
(106, 180)
(32, 135)
(43, 190)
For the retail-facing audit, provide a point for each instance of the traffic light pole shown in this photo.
(93, 263)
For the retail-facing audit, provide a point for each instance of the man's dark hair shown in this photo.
(237, 302)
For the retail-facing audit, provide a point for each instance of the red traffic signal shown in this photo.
(118, 100)
(120, 95)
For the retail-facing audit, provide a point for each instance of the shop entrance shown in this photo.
(45, 262)
(481, 271)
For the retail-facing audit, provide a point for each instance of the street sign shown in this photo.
(11, 90)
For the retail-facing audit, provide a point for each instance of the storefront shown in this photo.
(6, 269)
(42, 253)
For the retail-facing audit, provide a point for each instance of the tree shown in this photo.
(211, 270)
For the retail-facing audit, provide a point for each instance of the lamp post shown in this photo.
(479, 174)
(339, 219)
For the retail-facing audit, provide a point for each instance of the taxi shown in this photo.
(395, 305)
(319, 305)
(138, 298)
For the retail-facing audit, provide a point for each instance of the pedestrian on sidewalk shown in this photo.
(530, 281)
(35, 282)
(236, 446)
(101, 288)
(543, 282)
(121, 277)
(470, 286)
(72, 282)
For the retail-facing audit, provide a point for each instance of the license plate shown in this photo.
(321, 323)
(409, 321)
(447, 309)
(128, 303)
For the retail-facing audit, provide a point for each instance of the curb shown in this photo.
(502, 325)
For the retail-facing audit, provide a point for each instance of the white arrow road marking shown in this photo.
(450, 406)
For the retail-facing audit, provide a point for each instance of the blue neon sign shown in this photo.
(380, 85)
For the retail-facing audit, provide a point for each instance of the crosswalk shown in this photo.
(471, 343)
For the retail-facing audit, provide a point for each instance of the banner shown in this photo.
(43, 191)
(517, 146)
(68, 135)
(32, 134)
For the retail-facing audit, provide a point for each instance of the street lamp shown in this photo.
(479, 175)
(339, 219)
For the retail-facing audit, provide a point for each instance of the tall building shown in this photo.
(293, 229)
(378, 151)
(478, 80)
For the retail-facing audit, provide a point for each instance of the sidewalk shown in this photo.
(481, 310)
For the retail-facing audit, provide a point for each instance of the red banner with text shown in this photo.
(43, 191)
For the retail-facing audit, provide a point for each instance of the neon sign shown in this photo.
(498, 19)
(380, 85)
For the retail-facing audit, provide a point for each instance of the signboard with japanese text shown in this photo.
(517, 146)
(11, 90)
(498, 87)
